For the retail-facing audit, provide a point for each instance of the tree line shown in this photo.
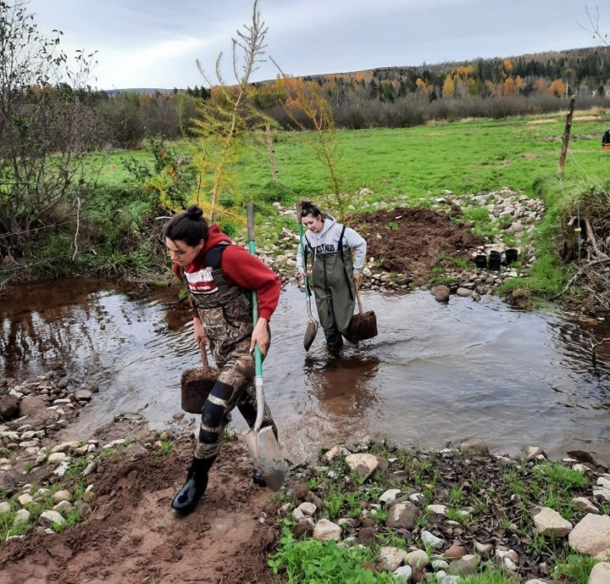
(387, 97)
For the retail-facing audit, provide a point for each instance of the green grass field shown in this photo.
(465, 157)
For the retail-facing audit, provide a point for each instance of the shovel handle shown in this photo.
(204, 356)
(258, 361)
(358, 299)
(300, 223)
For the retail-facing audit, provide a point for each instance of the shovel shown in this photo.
(363, 325)
(312, 326)
(196, 384)
(261, 442)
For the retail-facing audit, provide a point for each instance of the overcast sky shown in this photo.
(155, 43)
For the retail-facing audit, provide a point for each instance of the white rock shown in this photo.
(52, 517)
(548, 522)
(25, 499)
(65, 446)
(417, 498)
(297, 514)
(417, 558)
(114, 443)
(403, 572)
(22, 516)
(364, 464)
(308, 509)
(430, 540)
(438, 509)
(591, 536)
(390, 558)
(63, 506)
(389, 496)
(585, 505)
(600, 574)
(62, 495)
(326, 530)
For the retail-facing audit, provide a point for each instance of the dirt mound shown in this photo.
(132, 536)
(411, 240)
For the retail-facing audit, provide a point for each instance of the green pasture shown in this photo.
(469, 156)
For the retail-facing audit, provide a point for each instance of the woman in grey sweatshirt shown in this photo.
(335, 270)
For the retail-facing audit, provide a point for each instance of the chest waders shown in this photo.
(226, 317)
(333, 288)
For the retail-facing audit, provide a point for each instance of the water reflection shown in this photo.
(342, 386)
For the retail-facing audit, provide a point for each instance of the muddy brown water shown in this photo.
(435, 374)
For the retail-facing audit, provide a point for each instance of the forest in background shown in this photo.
(386, 97)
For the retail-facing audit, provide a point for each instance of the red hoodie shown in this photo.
(239, 267)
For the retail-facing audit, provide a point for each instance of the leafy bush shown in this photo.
(312, 562)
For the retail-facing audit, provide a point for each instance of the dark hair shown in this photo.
(308, 208)
(188, 226)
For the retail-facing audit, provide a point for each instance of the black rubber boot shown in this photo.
(196, 483)
(257, 478)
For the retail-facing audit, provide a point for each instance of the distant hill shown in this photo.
(140, 90)
(585, 71)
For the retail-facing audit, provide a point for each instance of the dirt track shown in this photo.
(133, 536)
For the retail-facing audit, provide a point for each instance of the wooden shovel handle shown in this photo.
(204, 356)
(357, 288)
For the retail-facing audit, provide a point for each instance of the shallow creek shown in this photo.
(436, 373)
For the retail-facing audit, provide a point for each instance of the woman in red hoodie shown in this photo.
(220, 277)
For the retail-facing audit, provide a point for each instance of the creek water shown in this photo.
(435, 374)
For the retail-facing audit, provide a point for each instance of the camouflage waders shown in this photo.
(226, 317)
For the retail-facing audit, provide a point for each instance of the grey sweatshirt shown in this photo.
(327, 241)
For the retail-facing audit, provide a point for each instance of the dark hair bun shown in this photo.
(194, 212)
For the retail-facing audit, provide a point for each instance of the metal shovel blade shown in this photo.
(262, 443)
(266, 456)
(310, 334)
(312, 326)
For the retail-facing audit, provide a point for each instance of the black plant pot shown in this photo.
(480, 261)
(511, 256)
(495, 259)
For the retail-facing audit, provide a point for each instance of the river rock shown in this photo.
(418, 558)
(32, 404)
(548, 522)
(600, 574)
(326, 530)
(52, 517)
(364, 464)
(390, 558)
(403, 516)
(591, 536)
(9, 407)
(441, 293)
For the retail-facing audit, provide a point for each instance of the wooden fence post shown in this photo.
(566, 137)
(271, 152)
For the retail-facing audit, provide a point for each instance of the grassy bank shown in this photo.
(413, 166)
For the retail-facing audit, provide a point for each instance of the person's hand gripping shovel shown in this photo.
(261, 442)
(312, 325)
